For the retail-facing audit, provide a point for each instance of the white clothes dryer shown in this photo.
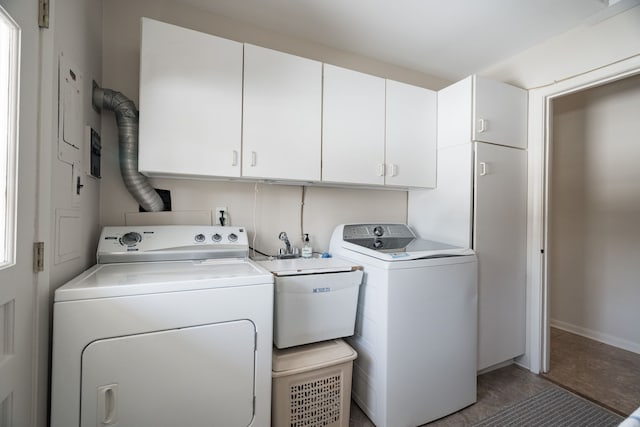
(180, 337)
(416, 324)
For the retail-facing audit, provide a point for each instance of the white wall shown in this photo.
(595, 213)
(577, 51)
(273, 208)
(76, 30)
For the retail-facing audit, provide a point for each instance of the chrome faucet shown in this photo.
(287, 251)
(287, 244)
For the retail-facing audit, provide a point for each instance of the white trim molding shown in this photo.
(596, 336)
(540, 117)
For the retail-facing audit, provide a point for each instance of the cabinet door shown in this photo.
(190, 102)
(500, 113)
(281, 115)
(410, 136)
(352, 127)
(500, 243)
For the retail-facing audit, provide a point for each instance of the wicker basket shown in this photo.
(312, 385)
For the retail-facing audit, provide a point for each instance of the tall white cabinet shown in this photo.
(480, 202)
(281, 115)
(190, 102)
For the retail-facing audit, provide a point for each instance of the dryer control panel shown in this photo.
(171, 243)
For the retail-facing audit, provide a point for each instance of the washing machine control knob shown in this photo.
(378, 230)
(233, 237)
(377, 244)
(199, 238)
(217, 237)
(130, 239)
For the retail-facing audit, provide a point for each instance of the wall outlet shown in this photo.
(222, 216)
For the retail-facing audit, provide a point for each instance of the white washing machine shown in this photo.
(416, 325)
(172, 327)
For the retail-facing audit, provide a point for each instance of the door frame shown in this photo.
(540, 140)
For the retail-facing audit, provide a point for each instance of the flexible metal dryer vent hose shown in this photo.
(127, 120)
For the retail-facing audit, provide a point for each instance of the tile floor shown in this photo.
(497, 390)
(602, 373)
(606, 375)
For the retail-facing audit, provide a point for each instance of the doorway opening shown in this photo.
(592, 234)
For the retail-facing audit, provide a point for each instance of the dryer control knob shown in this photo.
(199, 238)
(216, 237)
(377, 244)
(233, 237)
(130, 239)
(378, 231)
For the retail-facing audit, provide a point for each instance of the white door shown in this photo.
(500, 243)
(17, 280)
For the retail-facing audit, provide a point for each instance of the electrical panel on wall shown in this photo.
(92, 152)
(69, 112)
(70, 127)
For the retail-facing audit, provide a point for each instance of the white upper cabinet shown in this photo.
(353, 123)
(410, 135)
(212, 107)
(281, 116)
(498, 113)
(190, 102)
(377, 132)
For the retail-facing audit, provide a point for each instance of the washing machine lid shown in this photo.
(140, 278)
(394, 242)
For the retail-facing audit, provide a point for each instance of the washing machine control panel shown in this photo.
(379, 236)
(171, 242)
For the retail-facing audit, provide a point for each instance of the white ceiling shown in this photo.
(449, 39)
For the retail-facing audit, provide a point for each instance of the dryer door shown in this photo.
(196, 376)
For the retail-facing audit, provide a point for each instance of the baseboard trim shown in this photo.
(596, 336)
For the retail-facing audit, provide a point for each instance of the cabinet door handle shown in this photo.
(394, 169)
(234, 158)
(483, 168)
(253, 158)
(482, 125)
(380, 169)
